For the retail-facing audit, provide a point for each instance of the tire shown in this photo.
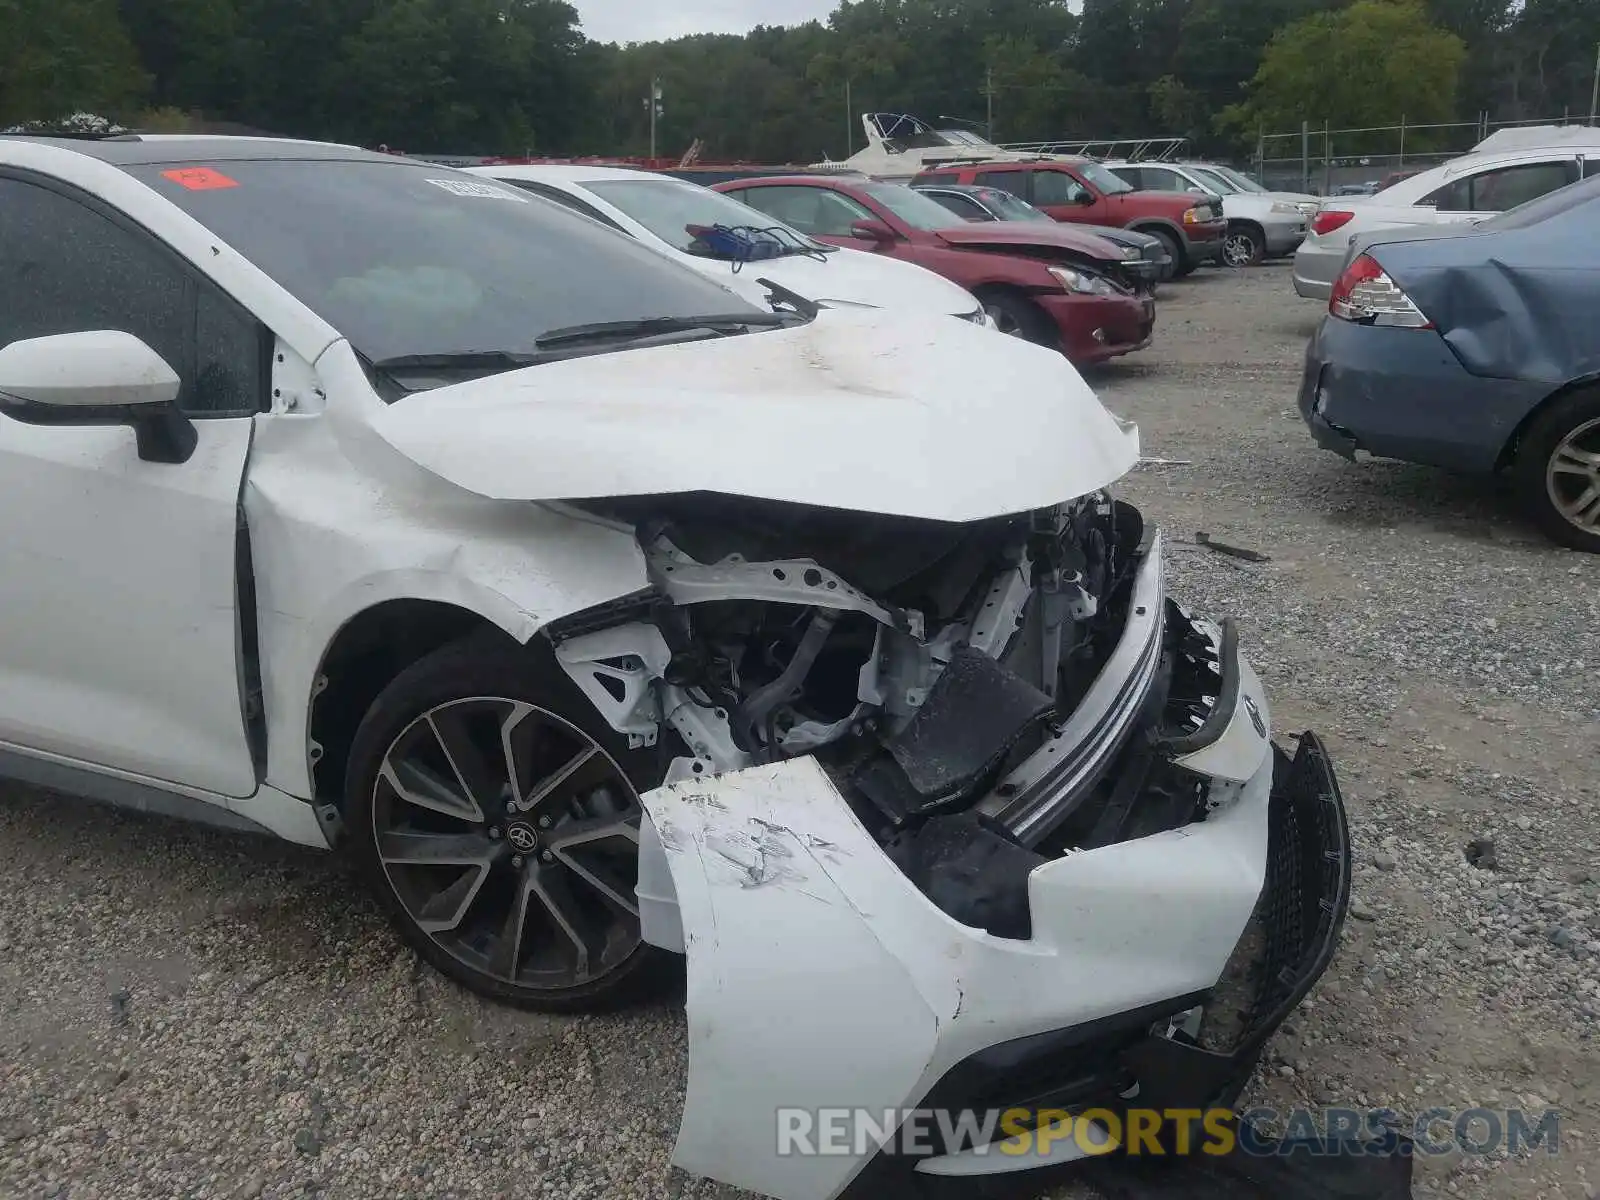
(1017, 316)
(1243, 247)
(1557, 470)
(1181, 265)
(438, 831)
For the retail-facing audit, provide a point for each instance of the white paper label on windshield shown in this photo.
(476, 190)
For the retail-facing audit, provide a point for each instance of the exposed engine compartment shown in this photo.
(935, 670)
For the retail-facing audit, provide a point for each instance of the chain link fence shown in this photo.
(1320, 160)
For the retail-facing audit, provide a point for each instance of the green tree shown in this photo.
(1361, 66)
(63, 56)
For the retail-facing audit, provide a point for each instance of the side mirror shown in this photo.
(102, 377)
(1085, 199)
(872, 231)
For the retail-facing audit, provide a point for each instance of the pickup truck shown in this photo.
(1083, 192)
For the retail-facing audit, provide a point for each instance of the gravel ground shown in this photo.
(187, 1014)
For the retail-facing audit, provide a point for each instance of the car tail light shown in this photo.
(1366, 295)
(1334, 218)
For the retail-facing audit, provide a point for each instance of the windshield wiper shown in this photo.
(466, 360)
(653, 326)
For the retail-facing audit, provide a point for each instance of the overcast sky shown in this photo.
(649, 20)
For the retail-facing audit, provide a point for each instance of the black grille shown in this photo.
(1307, 888)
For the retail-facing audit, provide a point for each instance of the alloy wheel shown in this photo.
(1239, 250)
(1572, 477)
(511, 839)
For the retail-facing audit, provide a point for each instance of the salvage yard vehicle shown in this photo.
(1476, 348)
(1460, 191)
(1080, 191)
(720, 237)
(600, 614)
(1052, 286)
(1261, 224)
(1145, 258)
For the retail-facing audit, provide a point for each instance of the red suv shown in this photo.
(1082, 191)
(1070, 292)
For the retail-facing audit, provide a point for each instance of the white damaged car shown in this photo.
(603, 615)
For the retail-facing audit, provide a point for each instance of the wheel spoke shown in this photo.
(439, 849)
(546, 786)
(507, 954)
(416, 785)
(570, 840)
(519, 740)
(1585, 510)
(1569, 460)
(549, 885)
(447, 908)
(477, 776)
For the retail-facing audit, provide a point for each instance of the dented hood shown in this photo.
(868, 411)
(1035, 235)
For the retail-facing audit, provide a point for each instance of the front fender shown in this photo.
(329, 541)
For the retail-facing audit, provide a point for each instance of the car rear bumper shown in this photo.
(1402, 393)
(1315, 268)
(1096, 328)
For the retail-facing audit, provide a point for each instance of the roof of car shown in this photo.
(563, 172)
(823, 180)
(139, 149)
(990, 164)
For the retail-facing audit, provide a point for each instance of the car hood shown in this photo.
(848, 276)
(1003, 235)
(860, 410)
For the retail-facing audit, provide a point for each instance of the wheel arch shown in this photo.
(367, 652)
(1161, 227)
(1508, 452)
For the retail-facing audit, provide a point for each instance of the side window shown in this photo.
(1134, 177)
(1455, 196)
(1057, 187)
(1164, 179)
(67, 268)
(964, 207)
(817, 211)
(1591, 166)
(1506, 187)
(1015, 182)
(565, 199)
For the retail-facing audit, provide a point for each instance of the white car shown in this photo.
(662, 212)
(601, 615)
(1468, 188)
(1261, 224)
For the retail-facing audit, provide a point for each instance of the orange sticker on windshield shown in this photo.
(200, 179)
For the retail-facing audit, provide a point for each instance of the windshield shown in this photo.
(1007, 207)
(1244, 182)
(1214, 180)
(1104, 181)
(915, 209)
(406, 259)
(668, 208)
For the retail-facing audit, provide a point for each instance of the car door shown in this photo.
(118, 578)
(1495, 189)
(1066, 197)
(821, 212)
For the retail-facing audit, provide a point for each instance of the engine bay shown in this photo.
(944, 675)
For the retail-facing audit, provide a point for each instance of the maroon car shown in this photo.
(1083, 192)
(1047, 283)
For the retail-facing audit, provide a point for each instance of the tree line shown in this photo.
(518, 76)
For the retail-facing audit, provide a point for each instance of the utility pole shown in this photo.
(849, 122)
(653, 103)
(1594, 96)
(988, 91)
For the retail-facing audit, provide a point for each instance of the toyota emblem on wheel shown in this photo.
(522, 837)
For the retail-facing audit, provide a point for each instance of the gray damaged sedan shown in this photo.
(1475, 348)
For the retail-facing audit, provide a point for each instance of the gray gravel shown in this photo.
(188, 1014)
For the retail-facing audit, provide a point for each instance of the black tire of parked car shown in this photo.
(1019, 317)
(1181, 265)
(1245, 247)
(1547, 434)
(462, 687)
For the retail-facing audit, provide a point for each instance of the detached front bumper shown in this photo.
(824, 986)
(1205, 243)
